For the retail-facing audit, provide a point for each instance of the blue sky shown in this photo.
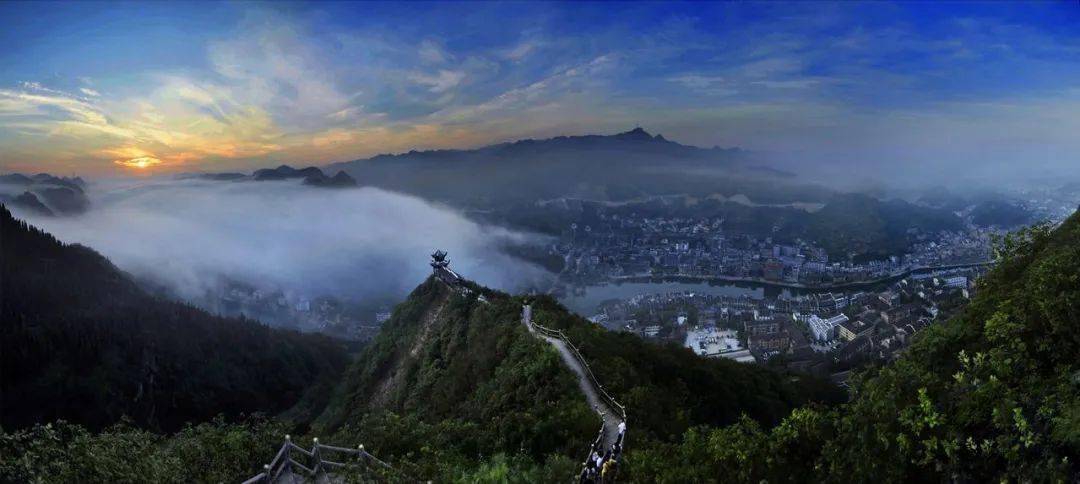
(864, 88)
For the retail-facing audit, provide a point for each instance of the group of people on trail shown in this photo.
(601, 468)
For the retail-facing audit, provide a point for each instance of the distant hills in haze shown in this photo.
(985, 209)
(1000, 213)
(311, 176)
(545, 185)
(621, 166)
(44, 194)
(637, 140)
(639, 172)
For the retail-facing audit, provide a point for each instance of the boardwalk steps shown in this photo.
(322, 464)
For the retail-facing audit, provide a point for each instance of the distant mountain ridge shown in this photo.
(340, 180)
(311, 176)
(44, 194)
(76, 183)
(285, 172)
(637, 139)
(620, 166)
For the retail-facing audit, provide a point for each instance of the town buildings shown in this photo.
(819, 333)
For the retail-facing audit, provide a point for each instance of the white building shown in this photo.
(712, 342)
(825, 329)
(957, 281)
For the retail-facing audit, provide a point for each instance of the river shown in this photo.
(589, 298)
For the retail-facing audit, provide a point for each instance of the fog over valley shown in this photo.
(359, 245)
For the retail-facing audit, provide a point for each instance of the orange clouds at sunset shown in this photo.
(132, 157)
(267, 87)
(141, 162)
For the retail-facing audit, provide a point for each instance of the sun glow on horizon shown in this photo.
(142, 162)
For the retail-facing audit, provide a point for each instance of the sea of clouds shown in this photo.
(355, 244)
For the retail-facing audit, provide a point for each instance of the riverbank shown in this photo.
(793, 285)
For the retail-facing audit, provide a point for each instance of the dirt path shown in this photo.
(592, 394)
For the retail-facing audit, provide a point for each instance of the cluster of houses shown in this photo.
(865, 326)
(819, 333)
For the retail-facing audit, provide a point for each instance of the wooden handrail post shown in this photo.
(288, 453)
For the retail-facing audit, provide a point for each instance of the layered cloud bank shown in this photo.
(358, 244)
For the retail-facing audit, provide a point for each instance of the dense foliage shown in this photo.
(991, 395)
(82, 342)
(1000, 213)
(209, 452)
(668, 388)
(869, 228)
(455, 387)
(453, 380)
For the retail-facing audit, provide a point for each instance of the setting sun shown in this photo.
(141, 162)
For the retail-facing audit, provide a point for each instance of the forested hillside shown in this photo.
(453, 381)
(82, 342)
(668, 389)
(1000, 213)
(869, 228)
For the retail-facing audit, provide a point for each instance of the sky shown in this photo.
(99, 89)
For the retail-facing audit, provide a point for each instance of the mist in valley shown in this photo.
(193, 238)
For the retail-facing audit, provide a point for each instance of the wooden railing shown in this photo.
(609, 401)
(320, 460)
(604, 395)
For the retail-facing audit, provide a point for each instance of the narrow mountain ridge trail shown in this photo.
(611, 417)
